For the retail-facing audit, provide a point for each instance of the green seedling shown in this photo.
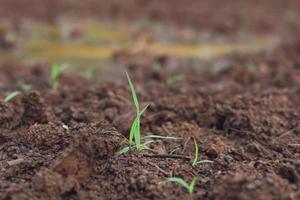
(190, 187)
(172, 79)
(11, 96)
(90, 72)
(56, 71)
(143, 146)
(135, 132)
(196, 156)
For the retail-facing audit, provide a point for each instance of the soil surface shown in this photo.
(243, 111)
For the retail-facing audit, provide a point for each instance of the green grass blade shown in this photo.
(63, 67)
(161, 137)
(143, 110)
(205, 161)
(175, 78)
(124, 150)
(11, 96)
(132, 131)
(192, 186)
(134, 97)
(54, 71)
(179, 181)
(196, 153)
(137, 135)
(90, 72)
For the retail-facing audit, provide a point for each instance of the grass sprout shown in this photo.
(90, 72)
(142, 147)
(190, 187)
(11, 96)
(173, 79)
(56, 70)
(135, 132)
(196, 156)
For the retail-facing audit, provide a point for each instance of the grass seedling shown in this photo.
(175, 78)
(90, 72)
(190, 187)
(135, 132)
(145, 144)
(142, 147)
(11, 96)
(56, 71)
(196, 156)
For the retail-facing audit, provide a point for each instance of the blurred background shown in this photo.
(93, 33)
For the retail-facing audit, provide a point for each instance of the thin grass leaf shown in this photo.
(143, 110)
(137, 135)
(196, 153)
(90, 72)
(11, 96)
(171, 152)
(132, 131)
(204, 161)
(161, 137)
(62, 68)
(54, 71)
(174, 79)
(192, 186)
(134, 97)
(179, 181)
(124, 150)
(142, 146)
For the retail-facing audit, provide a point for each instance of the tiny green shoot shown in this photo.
(56, 71)
(135, 132)
(142, 147)
(90, 72)
(172, 79)
(196, 156)
(11, 96)
(190, 187)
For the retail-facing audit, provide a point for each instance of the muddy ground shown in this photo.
(242, 109)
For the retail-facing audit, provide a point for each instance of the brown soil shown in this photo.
(243, 111)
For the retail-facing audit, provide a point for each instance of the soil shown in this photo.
(243, 111)
(244, 115)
